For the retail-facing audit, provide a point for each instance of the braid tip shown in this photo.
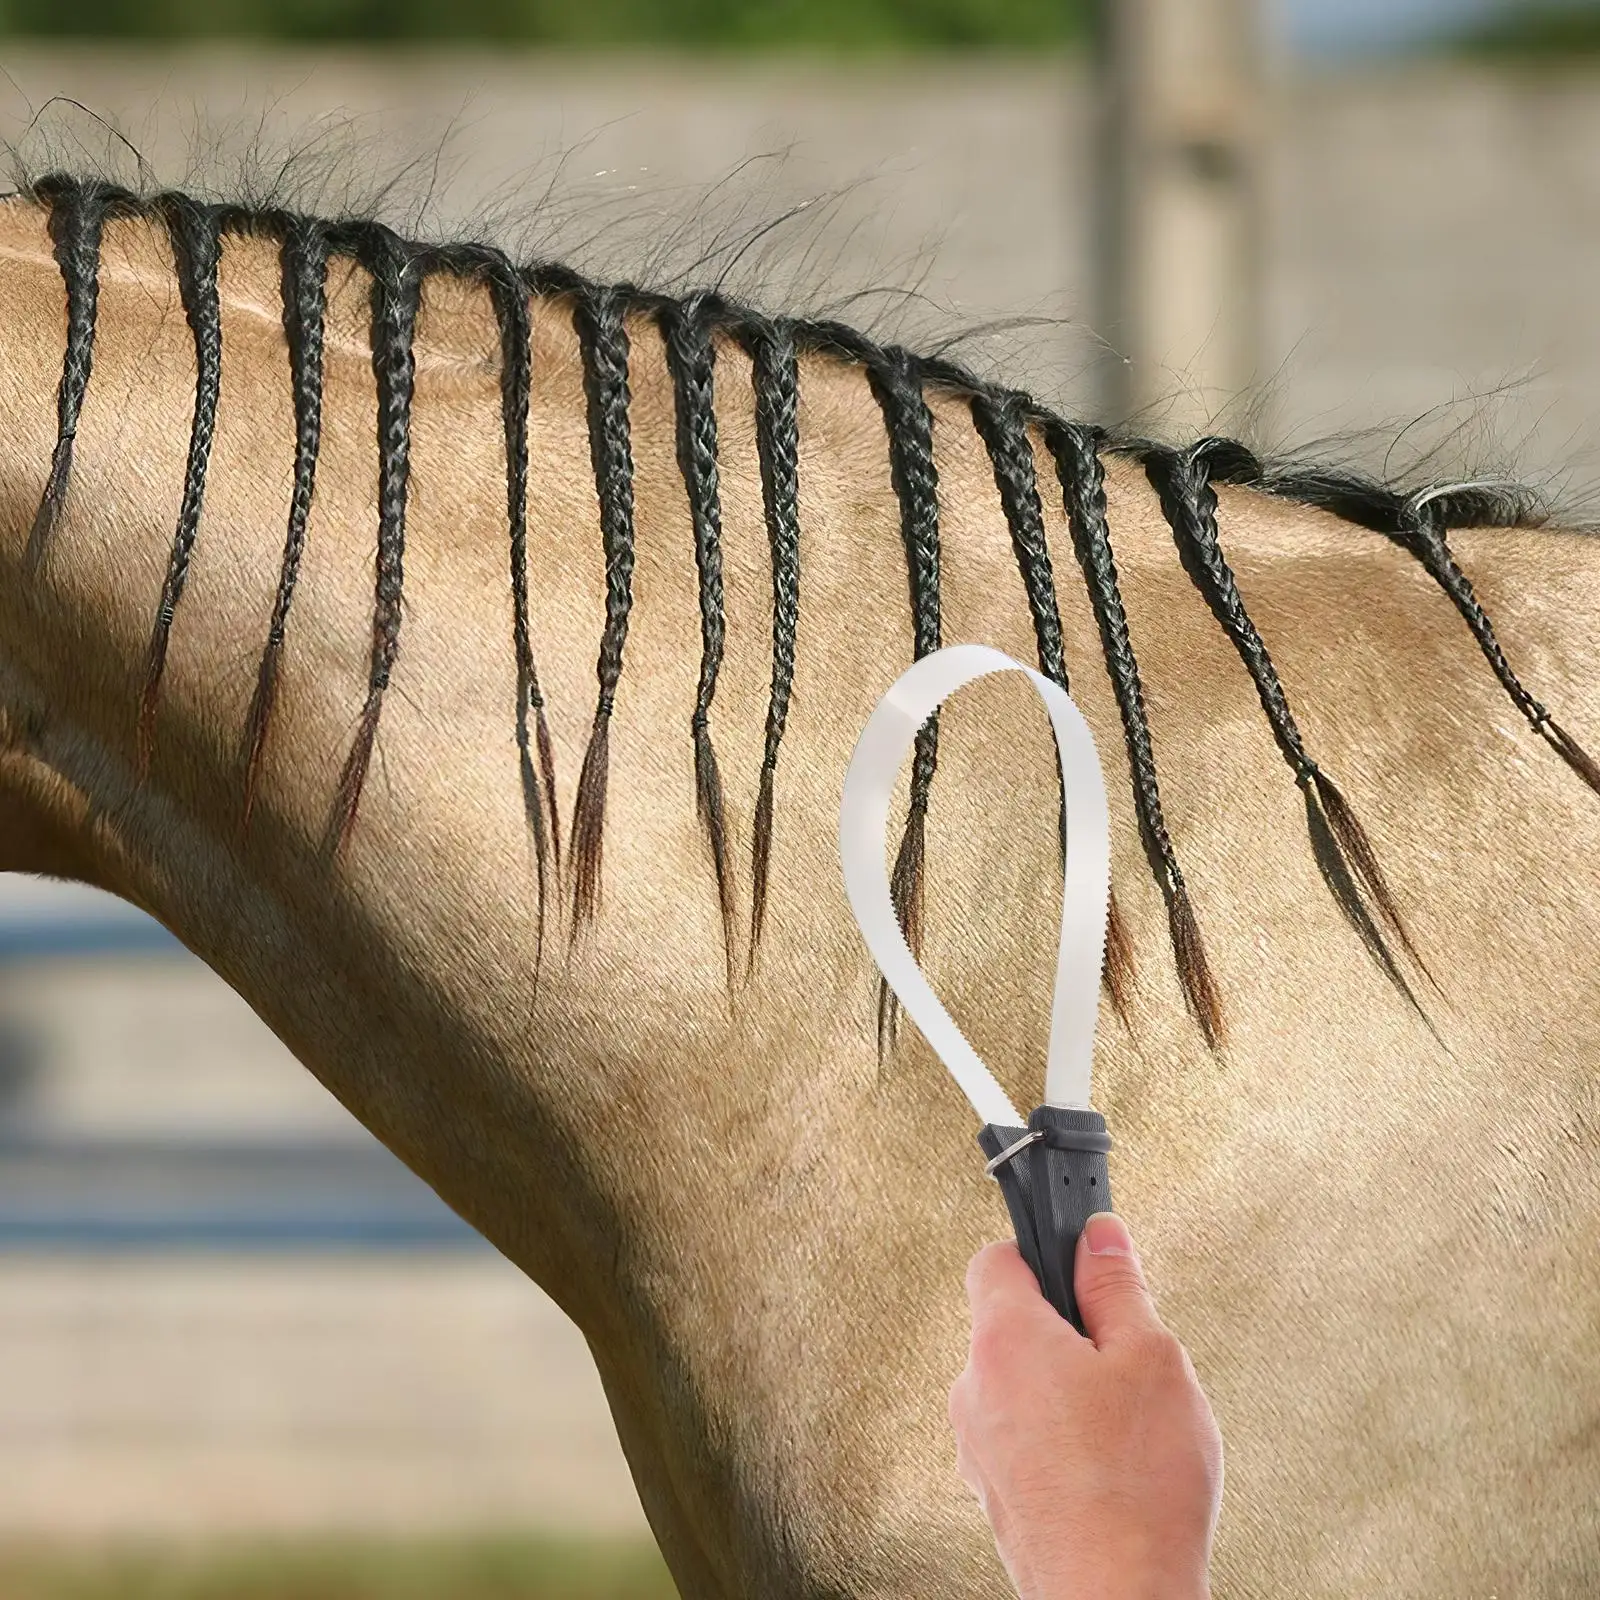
(1358, 851)
(1570, 751)
(760, 865)
(547, 772)
(1200, 994)
(588, 823)
(709, 806)
(905, 893)
(262, 705)
(1118, 969)
(45, 518)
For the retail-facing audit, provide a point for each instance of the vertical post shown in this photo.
(1178, 224)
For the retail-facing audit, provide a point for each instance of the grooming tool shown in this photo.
(1051, 1169)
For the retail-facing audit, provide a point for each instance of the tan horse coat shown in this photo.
(1380, 1254)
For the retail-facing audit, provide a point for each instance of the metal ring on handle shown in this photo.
(994, 1163)
(880, 753)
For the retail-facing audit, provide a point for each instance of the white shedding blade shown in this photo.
(881, 751)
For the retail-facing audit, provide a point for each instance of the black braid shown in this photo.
(196, 253)
(508, 295)
(897, 387)
(303, 273)
(1422, 532)
(1001, 418)
(691, 359)
(78, 212)
(846, 343)
(395, 298)
(775, 377)
(603, 339)
(1419, 522)
(1076, 450)
(1182, 479)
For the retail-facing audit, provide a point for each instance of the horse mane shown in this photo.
(1006, 420)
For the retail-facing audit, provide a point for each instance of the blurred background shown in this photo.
(242, 1351)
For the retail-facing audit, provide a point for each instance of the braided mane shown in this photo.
(1004, 419)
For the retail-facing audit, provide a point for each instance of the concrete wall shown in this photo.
(223, 1307)
(182, 1396)
(1434, 235)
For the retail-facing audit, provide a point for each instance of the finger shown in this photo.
(967, 1471)
(959, 1405)
(1109, 1282)
(998, 1279)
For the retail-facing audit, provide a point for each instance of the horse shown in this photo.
(463, 659)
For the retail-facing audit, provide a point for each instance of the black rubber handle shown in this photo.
(1052, 1187)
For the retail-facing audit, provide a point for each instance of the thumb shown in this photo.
(1109, 1282)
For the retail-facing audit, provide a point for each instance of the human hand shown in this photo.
(1096, 1460)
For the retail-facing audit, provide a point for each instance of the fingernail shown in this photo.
(1108, 1235)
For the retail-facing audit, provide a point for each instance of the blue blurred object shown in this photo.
(98, 1195)
(1345, 28)
(65, 1192)
(42, 918)
(136, 934)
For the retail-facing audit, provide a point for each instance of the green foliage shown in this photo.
(692, 24)
(1532, 30)
(511, 1569)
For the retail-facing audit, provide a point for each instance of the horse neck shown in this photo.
(734, 1197)
(621, 1121)
(401, 968)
